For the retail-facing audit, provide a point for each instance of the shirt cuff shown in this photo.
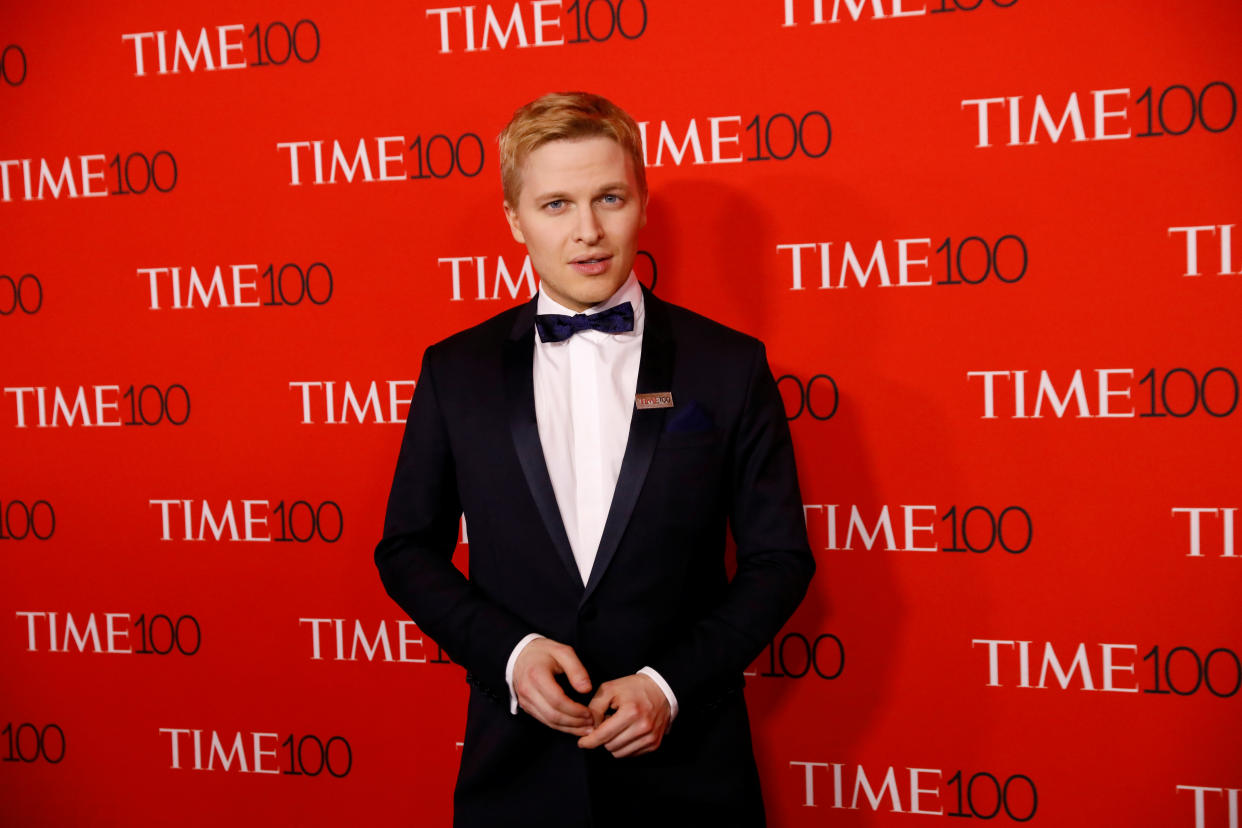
(668, 691)
(513, 705)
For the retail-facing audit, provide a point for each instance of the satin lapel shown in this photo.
(520, 396)
(655, 373)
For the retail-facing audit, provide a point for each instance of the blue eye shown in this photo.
(612, 199)
(555, 204)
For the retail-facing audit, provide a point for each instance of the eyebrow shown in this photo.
(615, 185)
(610, 187)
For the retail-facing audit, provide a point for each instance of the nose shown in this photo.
(588, 230)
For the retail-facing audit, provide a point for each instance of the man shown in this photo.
(599, 441)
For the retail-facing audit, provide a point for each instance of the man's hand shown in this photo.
(639, 720)
(534, 684)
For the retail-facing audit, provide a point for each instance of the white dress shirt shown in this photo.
(584, 399)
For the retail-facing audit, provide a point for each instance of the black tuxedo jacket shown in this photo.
(658, 594)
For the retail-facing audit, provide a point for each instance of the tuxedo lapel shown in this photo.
(655, 373)
(520, 397)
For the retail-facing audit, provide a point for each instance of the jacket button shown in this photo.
(588, 612)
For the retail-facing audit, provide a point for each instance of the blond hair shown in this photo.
(564, 116)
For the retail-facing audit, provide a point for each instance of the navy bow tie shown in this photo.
(557, 327)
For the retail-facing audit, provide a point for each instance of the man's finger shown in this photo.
(568, 661)
(637, 738)
(551, 693)
(549, 704)
(637, 748)
(543, 712)
(551, 714)
(600, 704)
(608, 730)
(565, 724)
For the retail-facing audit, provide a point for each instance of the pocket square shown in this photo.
(689, 417)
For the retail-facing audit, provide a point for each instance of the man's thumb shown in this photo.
(574, 671)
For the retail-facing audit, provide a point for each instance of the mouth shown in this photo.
(591, 265)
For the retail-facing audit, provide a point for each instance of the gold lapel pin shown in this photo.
(658, 399)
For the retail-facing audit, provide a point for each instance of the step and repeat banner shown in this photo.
(993, 247)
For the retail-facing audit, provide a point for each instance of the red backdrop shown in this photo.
(991, 246)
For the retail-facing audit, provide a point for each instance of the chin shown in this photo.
(595, 292)
(603, 294)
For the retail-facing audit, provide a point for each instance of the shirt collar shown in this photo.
(630, 291)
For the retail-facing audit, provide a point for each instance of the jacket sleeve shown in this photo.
(414, 557)
(774, 561)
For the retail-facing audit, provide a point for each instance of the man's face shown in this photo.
(578, 214)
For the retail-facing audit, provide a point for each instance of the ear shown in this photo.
(642, 216)
(515, 226)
